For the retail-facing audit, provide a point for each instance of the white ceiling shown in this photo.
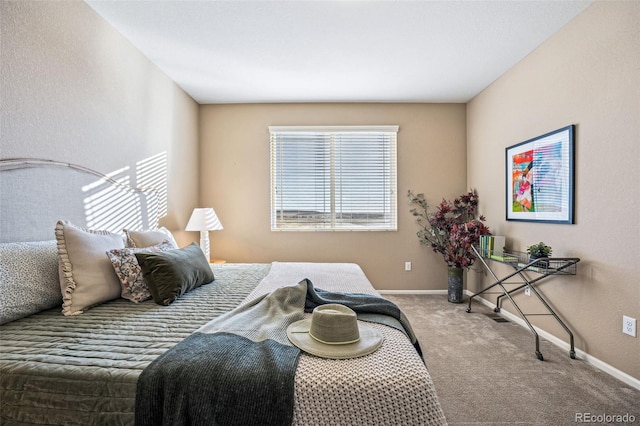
(336, 51)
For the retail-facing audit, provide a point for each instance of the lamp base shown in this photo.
(204, 244)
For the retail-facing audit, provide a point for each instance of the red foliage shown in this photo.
(452, 229)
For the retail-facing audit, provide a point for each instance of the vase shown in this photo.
(454, 284)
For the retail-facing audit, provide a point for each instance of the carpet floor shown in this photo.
(486, 372)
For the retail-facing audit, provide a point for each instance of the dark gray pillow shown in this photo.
(172, 273)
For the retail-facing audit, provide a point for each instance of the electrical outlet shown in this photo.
(407, 266)
(629, 325)
(527, 291)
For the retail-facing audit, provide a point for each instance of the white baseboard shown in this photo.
(409, 292)
(598, 363)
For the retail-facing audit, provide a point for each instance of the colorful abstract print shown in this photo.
(537, 183)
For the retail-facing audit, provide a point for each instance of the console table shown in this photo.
(522, 265)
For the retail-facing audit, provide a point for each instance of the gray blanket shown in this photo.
(368, 308)
(219, 379)
(239, 369)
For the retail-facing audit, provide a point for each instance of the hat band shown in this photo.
(333, 343)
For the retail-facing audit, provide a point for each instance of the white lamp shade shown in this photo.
(203, 219)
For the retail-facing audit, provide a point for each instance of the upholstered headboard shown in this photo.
(36, 193)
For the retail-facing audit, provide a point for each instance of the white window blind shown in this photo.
(334, 178)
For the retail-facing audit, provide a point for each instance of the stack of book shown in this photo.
(492, 247)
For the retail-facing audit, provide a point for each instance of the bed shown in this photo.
(83, 369)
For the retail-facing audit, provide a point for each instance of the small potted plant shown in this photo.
(538, 251)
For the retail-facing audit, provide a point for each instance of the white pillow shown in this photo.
(29, 280)
(140, 239)
(86, 275)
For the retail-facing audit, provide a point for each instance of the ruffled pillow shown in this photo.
(86, 275)
(128, 270)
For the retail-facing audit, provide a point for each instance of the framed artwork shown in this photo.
(540, 178)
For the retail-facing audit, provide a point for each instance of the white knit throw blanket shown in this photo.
(390, 386)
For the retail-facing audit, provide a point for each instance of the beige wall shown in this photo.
(74, 90)
(588, 74)
(235, 182)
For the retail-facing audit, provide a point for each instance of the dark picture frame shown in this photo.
(540, 178)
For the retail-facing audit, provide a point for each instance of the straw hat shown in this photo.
(333, 331)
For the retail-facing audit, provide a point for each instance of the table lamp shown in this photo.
(204, 220)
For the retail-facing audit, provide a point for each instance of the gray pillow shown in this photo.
(28, 279)
(126, 266)
(172, 273)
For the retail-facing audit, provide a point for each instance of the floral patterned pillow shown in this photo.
(128, 270)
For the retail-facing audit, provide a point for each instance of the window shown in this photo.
(333, 178)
